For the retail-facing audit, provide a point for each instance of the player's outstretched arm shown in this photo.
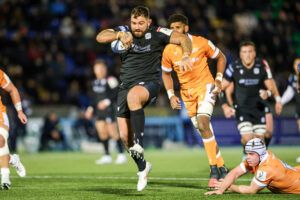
(228, 181)
(253, 188)
(15, 96)
(109, 35)
(184, 41)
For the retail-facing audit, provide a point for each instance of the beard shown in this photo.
(139, 33)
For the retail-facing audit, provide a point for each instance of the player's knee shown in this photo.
(133, 100)
(259, 130)
(203, 127)
(3, 142)
(246, 138)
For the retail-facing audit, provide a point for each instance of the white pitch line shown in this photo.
(122, 177)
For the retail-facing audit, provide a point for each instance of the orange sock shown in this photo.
(210, 146)
(220, 160)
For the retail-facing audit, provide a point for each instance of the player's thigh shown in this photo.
(137, 95)
(244, 122)
(101, 129)
(122, 105)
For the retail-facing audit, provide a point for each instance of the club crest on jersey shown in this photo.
(256, 70)
(148, 36)
(261, 175)
(241, 71)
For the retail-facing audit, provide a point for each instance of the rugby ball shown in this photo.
(118, 47)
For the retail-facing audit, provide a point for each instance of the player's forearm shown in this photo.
(228, 181)
(168, 83)
(108, 35)
(221, 63)
(16, 99)
(242, 189)
(186, 45)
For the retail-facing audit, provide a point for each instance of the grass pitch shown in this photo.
(180, 174)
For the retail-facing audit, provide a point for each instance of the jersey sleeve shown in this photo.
(267, 69)
(164, 34)
(4, 80)
(263, 177)
(166, 63)
(211, 50)
(228, 75)
(121, 28)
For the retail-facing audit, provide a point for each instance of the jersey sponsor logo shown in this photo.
(140, 49)
(165, 31)
(261, 175)
(248, 82)
(211, 45)
(148, 36)
(193, 60)
(256, 70)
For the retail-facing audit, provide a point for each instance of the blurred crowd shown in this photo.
(48, 46)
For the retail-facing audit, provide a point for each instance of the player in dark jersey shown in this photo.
(229, 111)
(103, 107)
(249, 75)
(140, 77)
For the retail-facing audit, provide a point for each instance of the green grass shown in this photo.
(75, 176)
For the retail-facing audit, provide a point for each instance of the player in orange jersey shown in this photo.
(198, 88)
(269, 172)
(5, 157)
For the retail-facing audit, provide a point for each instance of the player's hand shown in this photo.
(102, 105)
(228, 110)
(263, 94)
(22, 117)
(88, 114)
(217, 192)
(175, 102)
(127, 39)
(217, 88)
(186, 64)
(278, 108)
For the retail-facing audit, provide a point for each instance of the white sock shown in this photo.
(5, 175)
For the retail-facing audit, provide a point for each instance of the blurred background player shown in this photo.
(140, 77)
(53, 137)
(197, 87)
(229, 111)
(103, 107)
(5, 157)
(269, 172)
(249, 75)
(292, 90)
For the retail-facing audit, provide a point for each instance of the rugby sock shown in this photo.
(5, 175)
(267, 141)
(105, 144)
(120, 146)
(210, 146)
(220, 160)
(137, 119)
(140, 162)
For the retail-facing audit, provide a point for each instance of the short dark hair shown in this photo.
(140, 11)
(99, 61)
(247, 43)
(177, 17)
